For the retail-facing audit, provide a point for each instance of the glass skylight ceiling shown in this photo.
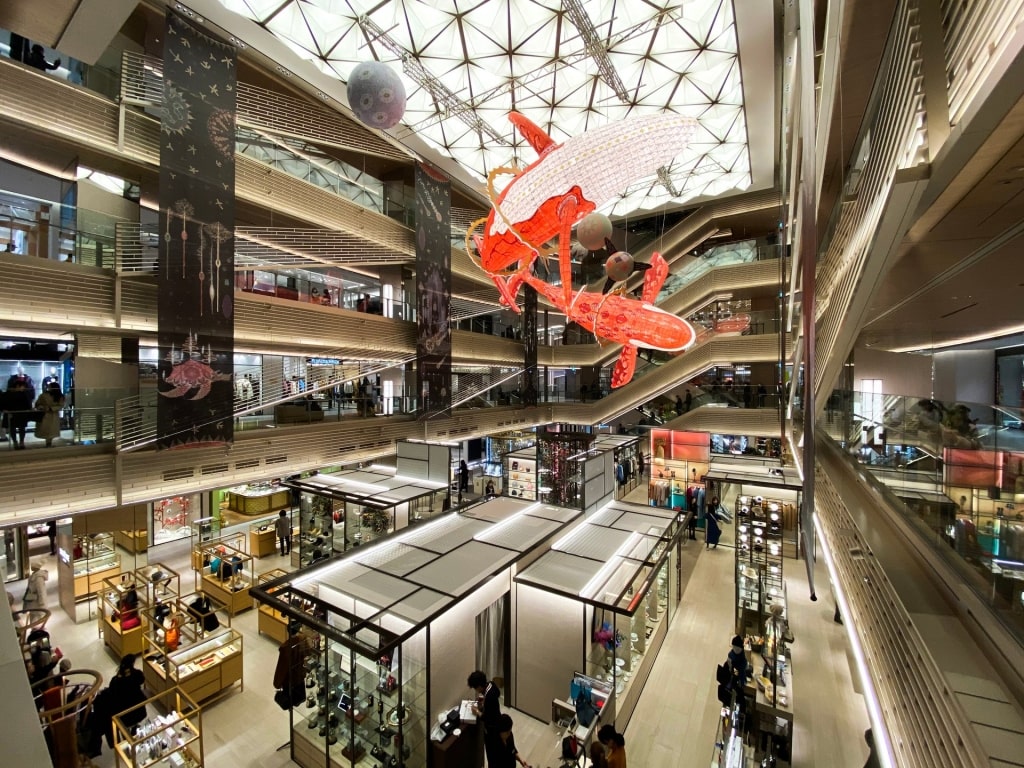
(494, 56)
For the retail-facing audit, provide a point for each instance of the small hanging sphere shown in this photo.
(593, 230)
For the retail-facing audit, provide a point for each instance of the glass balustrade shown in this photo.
(955, 471)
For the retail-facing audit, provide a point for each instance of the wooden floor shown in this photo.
(676, 719)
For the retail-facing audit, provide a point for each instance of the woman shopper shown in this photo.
(35, 588)
(614, 744)
(49, 404)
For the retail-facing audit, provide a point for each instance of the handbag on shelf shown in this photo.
(585, 709)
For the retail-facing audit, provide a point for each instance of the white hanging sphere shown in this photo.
(593, 230)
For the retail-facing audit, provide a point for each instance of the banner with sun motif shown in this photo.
(195, 312)
(433, 291)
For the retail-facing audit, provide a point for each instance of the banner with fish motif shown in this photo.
(433, 292)
(195, 307)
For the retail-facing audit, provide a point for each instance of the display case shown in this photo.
(205, 529)
(226, 576)
(258, 498)
(201, 550)
(122, 624)
(367, 522)
(262, 538)
(203, 669)
(173, 739)
(133, 542)
(159, 582)
(93, 560)
(321, 528)
(271, 622)
(560, 477)
(361, 709)
(520, 478)
(759, 562)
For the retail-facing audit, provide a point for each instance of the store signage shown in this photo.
(323, 361)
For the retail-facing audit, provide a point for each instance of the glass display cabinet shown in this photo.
(203, 668)
(362, 710)
(759, 563)
(122, 623)
(159, 582)
(271, 622)
(318, 518)
(520, 478)
(367, 522)
(134, 542)
(226, 576)
(205, 529)
(93, 560)
(174, 739)
(201, 551)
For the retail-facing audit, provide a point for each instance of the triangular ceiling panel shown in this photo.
(495, 55)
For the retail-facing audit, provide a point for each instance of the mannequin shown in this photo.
(51, 378)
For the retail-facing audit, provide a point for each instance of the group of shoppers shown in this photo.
(20, 407)
(608, 751)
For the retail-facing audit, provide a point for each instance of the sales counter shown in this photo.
(253, 500)
(203, 670)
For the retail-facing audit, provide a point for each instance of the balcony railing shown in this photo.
(958, 470)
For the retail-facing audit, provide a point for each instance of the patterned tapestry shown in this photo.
(529, 379)
(195, 312)
(433, 292)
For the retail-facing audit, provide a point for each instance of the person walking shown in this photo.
(283, 529)
(688, 402)
(35, 589)
(506, 751)
(712, 529)
(51, 534)
(463, 477)
(614, 744)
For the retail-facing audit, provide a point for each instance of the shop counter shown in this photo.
(466, 750)
(234, 597)
(203, 670)
(257, 501)
(133, 542)
(262, 541)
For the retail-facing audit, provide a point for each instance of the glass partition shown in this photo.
(955, 470)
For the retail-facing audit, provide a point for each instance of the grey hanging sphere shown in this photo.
(376, 94)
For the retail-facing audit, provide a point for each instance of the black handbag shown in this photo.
(723, 675)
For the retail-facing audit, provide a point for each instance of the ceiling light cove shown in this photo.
(465, 67)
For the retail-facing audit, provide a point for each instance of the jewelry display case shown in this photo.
(93, 560)
(227, 576)
(203, 669)
(174, 739)
(257, 498)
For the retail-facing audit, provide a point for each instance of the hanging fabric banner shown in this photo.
(433, 292)
(529, 379)
(195, 311)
